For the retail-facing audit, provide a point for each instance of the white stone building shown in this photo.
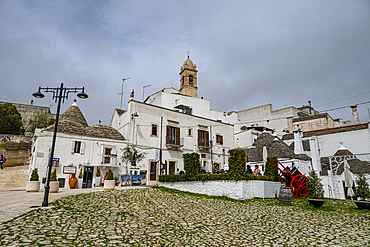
(78, 145)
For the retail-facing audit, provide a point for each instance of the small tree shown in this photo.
(316, 187)
(10, 120)
(41, 119)
(34, 175)
(191, 163)
(80, 174)
(53, 175)
(98, 172)
(271, 170)
(237, 161)
(132, 155)
(110, 175)
(362, 189)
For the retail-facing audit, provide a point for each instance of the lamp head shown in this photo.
(38, 94)
(82, 95)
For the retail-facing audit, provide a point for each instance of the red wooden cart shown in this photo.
(298, 183)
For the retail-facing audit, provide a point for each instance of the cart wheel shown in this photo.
(300, 186)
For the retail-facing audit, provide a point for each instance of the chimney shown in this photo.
(31, 101)
(309, 103)
(356, 119)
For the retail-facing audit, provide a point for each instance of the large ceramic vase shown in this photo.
(363, 204)
(109, 184)
(54, 187)
(72, 181)
(316, 202)
(33, 186)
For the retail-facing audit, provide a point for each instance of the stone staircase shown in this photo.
(14, 177)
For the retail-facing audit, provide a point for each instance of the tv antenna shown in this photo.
(121, 93)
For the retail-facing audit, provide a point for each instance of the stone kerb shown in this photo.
(241, 190)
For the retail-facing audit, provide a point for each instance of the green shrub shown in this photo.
(53, 175)
(34, 175)
(271, 170)
(362, 189)
(237, 161)
(316, 187)
(211, 177)
(191, 164)
(110, 175)
(98, 172)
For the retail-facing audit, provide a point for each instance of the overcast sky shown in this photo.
(248, 53)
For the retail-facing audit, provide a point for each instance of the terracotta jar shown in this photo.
(72, 181)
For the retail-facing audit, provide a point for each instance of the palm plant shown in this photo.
(132, 155)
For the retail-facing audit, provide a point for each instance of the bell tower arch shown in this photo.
(188, 79)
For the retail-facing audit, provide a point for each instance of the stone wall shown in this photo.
(15, 158)
(242, 190)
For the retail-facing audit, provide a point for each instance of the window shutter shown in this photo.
(103, 155)
(114, 161)
(73, 147)
(114, 151)
(82, 149)
(177, 135)
(221, 140)
(199, 138)
(207, 139)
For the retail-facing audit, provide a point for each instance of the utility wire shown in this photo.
(342, 99)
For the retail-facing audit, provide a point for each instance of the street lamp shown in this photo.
(59, 93)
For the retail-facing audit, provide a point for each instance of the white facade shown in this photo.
(80, 151)
(149, 128)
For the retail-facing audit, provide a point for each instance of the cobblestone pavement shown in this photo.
(17, 202)
(162, 217)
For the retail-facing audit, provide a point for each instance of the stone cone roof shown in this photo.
(356, 165)
(73, 122)
(275, 147)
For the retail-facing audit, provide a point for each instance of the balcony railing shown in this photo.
(174, 142)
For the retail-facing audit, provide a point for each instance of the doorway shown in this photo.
(87, 177)
(153, 170)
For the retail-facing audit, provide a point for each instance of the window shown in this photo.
(154, 130)
(173, 135)
(109, 156)
(219, 139)
(203, 138)
(78, 147)
(190, 132)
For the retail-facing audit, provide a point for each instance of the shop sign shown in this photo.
(69, 169)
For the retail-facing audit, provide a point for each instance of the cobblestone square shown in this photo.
(163, 217)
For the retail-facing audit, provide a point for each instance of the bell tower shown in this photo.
(188, 79)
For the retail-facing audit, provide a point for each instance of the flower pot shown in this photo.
(109, 184)
(316, 202)
(363, 204)
(97, 181)
(72, 182)
(54, 187)
(80, 180)
(33, 186)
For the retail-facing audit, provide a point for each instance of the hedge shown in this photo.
(211, 177)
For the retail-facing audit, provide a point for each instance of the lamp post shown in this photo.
(59, 93)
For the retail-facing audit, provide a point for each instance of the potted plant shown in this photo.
(54, 183)
(97, 178)
(80, 180)
(362, 192)
(109, 183)
(34, 184)
(316, 194)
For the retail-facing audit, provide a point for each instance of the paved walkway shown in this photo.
(15, 202)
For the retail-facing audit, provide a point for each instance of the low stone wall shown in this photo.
(242, 190)
(16, 158)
